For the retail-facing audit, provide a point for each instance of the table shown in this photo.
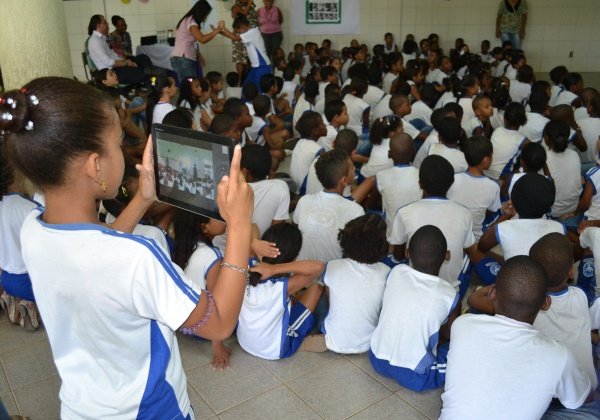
(159, 54)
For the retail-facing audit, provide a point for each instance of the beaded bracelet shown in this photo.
(205, 318)
(244, 271)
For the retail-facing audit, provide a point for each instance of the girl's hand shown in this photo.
(147, 182)
(508, 209)
(235, 197)
(264, 249)
(265, 270)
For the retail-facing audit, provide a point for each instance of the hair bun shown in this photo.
(14, 112)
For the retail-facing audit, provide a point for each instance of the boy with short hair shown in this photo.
(306, 101)
(410, 343)
(521, 370)
(536, 118)
(449, 131)
(263, 133)
(480, 125)
(358, 109)
(320, 216)
(311, 128)
(239, 111)
(233, 90)
(217, 96)
(336, 117)
(400, 105)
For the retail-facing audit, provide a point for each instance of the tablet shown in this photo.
(188, 166)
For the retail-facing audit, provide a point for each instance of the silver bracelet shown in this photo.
(244, 271)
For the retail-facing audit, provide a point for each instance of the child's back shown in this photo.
(14, 209)
(507, 144)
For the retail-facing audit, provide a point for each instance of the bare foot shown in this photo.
(221, 355)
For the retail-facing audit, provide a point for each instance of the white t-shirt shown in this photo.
(453, 219)
(593, 176)
(497, 119)
(467, 106)
(302, 105)
(568, 322)
(160, 110)
(255, 47)
(356, 109)
(420, 111)
(471, 125)
(256, 129)
(517, 375)
(409, 129)
(382, 109)
(305, 152)
(581, 113)
(517, 236)
(565, 169)
(507, 147)
(110, 320)
(423, 152)
(326, 142)
(200, 263)
(373, 96)
(271, 202)
(14, 209)
(355, 297)
(388, 81)
(446, 98)
(534, 128)
(313, 185)
(264, 319)
(590, 130)
(453, 155)
(565, 97)
(415, 306)
(554, 91)
(233, 92)
(398, 186)
(436, 76)
(519, 91)
(289, 88)
(590, 238)
(320, 216)
(379, 159)
(479, 194)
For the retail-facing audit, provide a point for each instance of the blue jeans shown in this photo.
(184, 67)
(514, 39)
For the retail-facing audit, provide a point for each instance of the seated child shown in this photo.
(520, 89)
(225, 125)
(472, 188)
(400, 106)
(239, 111)
(587, 95)
(532, 160)
(557, 74)
(522, 368)
(398, 185)
(507, 142)
(336, 117)
(433, 137)
(358, 109)
(421, 110)
(107, 80)
(263, 133)
(311, 128)
(306, 101)
(381, 131)
(266, 328)
(572, 85)
(271, 196)
(321, 215)
(355, 285)
(536, 119)
(192, 96)
(217, 95)
(590, 129)
(480, 124)
(233, 90)
(410, 343)
(290, 87)
(162, 91)
(565, 114)
(436, 176)
(449, 131)
(394, 66)
(249, 92)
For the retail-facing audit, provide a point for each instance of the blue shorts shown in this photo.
(435, 377)
(301, 324)
(17, 285)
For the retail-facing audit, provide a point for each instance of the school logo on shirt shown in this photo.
(494, 268)
(588, 268)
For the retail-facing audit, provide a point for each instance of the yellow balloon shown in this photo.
(125, 1)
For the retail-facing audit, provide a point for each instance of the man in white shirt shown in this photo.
(100, 56)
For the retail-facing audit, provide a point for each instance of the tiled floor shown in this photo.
(306, 386)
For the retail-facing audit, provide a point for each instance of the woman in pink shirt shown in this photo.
(270, 19)
(184, 57)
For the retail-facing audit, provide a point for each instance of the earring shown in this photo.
(103, 186)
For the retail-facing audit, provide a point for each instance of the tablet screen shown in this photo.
(188, 166)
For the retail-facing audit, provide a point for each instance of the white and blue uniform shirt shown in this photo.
(534, 128)
(305, 152)
(14, 209)
(593, 176)
(507, 146)
(110, 303)
(200, 263)
(255, 47)
(378, 160)
(517, 236)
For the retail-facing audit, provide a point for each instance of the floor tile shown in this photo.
(363, 362)
(279, 403)
(391, 407)
(9, 403)
(245, 379)
(338, 389)
(13, 337)
(298, 364)
(201, 409)
(427, 402)
(40, 400)
(194, 352)
(30, 364)
(3, 381)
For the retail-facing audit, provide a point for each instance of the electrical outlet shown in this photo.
(570, 54)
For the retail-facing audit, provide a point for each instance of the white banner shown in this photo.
(320, 17)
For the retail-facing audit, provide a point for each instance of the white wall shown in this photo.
(555, 27)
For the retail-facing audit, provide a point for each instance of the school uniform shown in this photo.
(436, 76)
(581, 113)
(479, 194)
(313, 185)
(160, 111)
(519, 91)
(355, 298)
(517, 236)
(388, 81)
(271, 202)
(382, 109)
(497, 119)
(590, 130)
(404, 345)
(320, 216)
(233, 92)
(379, 159)
(420, 111)
(568, 322)
(289, 88)
(269, 326)
(534, 128)
(423, 152)
(453, 155)
(511, 74)
(507, 148)
(345, 67)
(302, 105)
(501, 69)
(326, 142)
(593, 176)
(485, 58)
(257, 56)
(565, 168)
(410, 129)
(453, 219)
(467, 106)
(446, 97)
(517, 375)
(398, 186)
(565, 97)
(255, 131)
(407, 57)
(119, 354)
(373, 96)
(304, 153)
(470, 126)
(203, 259)
(356, 108)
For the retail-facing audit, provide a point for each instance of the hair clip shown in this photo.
(190, 79)
(12, 103)
(29, 125)
(34, 100)
(24, 90)
(7, 116)
(153, 80)
(2, 100)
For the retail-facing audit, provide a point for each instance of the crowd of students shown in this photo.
(414, 177)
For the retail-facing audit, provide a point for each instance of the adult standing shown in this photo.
(270, 19)
(102, 57)
(239, 53)
(184, 57)
(511, 20)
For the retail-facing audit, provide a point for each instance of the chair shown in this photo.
(85, 66)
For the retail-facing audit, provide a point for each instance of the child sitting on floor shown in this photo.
(311, 128)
